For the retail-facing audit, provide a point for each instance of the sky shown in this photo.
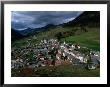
(20, 20)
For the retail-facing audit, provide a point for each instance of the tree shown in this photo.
(59, 35)
(83, 28)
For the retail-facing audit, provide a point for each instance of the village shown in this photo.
(51, 52)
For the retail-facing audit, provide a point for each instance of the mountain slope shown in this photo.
(87, 18)
(31, 31)
(15, 34)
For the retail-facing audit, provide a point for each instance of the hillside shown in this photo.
(87, 18)
(15, 35)
(90, 39)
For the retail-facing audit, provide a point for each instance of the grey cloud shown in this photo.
(41, 18)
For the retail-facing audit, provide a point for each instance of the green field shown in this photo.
(90, 39)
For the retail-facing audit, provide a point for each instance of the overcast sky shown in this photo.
(35, 19)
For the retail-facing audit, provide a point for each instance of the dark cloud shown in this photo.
(23, 19)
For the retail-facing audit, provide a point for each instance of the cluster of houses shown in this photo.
(51, 53)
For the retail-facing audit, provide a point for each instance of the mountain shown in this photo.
(49, 26)
(15, 34)
(26, 31)
(31, 31)
(87, 18)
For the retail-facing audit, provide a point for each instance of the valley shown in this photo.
(69, 49)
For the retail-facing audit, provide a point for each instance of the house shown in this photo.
(13, 63)
(59, 51)
(77, 46)
(75, 61)
(95, 60)
(58, 56)
(65, 54)
(47, 62)
(57, 62)
(80, 57)
(16, 64)
(73, 47)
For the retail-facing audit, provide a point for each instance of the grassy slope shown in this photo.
(90, 39)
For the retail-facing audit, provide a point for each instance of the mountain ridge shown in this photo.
(87, 18)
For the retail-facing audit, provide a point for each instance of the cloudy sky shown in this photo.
(35, 19)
